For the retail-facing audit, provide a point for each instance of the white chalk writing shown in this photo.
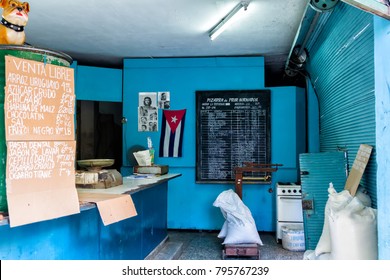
(37, 96)
(39, 159)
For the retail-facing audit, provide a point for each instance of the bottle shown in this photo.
(151, 151)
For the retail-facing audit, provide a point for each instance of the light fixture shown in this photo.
(228, 19)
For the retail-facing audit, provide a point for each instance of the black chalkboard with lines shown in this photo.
(232, 127)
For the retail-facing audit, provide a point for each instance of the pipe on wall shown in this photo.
(298, 55)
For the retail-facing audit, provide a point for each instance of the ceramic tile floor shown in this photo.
(205, 245)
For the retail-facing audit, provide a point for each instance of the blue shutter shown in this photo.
(341, 67)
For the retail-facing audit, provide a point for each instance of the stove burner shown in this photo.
(292, 191)
(288, 189)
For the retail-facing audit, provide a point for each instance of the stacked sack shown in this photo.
(350, 228)
(239, 226)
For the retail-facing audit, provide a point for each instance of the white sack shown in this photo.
(363, 197)
(310, 255)
(353, 232)
(240, 226)
(223, 232)
(336, 202)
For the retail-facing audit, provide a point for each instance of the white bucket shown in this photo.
(293, 238)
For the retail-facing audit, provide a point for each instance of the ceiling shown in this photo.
(102, 33)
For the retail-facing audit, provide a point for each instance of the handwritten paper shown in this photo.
(39, 100)
(39, 125)
(33, 162)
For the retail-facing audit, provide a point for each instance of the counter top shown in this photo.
(131, 184)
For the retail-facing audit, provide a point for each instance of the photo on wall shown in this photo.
(147, 111)
(164, 100)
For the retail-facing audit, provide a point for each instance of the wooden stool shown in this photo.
(241, 250)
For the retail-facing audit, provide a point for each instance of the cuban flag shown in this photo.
(172, 129)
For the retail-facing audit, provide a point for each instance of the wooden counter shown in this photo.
(83, 235)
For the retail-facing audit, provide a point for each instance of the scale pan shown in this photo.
(95, 164)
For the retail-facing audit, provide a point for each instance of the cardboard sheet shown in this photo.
(39, 124)
(34, 166)
(40, 180)
(112, 207)
(39, 100)
(30, 207)
(357, 170)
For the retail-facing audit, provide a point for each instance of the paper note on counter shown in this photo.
(142, 176)
(143, 158)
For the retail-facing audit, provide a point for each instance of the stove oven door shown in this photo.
(289, 209)
(289, 212)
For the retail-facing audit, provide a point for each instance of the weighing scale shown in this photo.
(95, 176)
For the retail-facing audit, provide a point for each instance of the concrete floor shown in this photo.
(205, 245)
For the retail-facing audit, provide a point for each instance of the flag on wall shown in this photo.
(172, 129)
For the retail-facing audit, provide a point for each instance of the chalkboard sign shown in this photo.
(232, 127)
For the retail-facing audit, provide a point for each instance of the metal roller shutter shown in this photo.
(341, 67)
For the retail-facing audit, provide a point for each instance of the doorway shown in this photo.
(99, 131)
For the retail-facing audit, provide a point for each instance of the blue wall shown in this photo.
(382, 94)
(190, 204)
(182, 77)
(313, 122)
(98, 84)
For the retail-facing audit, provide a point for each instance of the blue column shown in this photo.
(382, 100)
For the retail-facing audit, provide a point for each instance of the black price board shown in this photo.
(232, 127)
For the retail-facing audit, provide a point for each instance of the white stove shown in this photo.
(288, 206)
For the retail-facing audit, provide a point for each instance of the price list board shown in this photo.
(39, 101)
(232, 127)
(39, 129)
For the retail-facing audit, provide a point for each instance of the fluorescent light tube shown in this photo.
(228, 19)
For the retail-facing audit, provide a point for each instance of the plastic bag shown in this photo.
(239, 226)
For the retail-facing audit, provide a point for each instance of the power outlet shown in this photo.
(307, 204)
